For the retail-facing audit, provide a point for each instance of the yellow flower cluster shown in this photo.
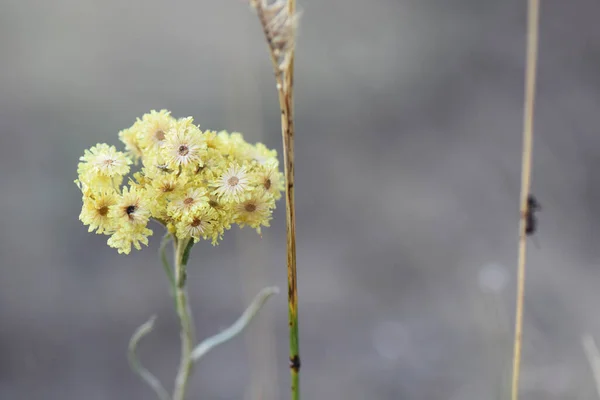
(196, 183)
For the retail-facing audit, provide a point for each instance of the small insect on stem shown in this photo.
(530, 220)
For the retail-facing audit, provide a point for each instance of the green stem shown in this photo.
(288, 132)
(165, 263)
(185, 318)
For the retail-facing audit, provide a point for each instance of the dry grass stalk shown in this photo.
(279, 21)
(593, 356)
(532, 49)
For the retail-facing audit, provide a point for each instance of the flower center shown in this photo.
(188, 201)
(233, 181)
(159, 135)
(130, 209)
(109, 161)
(103, 211)
(196, 222)
(250, 207)
(267, 184)
(183, 150)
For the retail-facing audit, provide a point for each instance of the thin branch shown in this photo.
(532, 49)
(137, 367)
(238, 326)
(593, 356)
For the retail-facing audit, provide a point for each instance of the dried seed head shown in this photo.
(279, 26)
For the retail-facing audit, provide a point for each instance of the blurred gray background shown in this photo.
(408, 166)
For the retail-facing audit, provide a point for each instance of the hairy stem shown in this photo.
(165, 263)
(532, 46)
(185, 318)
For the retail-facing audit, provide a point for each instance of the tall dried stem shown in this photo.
(279, 22)
(530, 78)
(593, 355)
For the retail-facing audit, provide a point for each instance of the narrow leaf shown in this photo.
(237, 327)
(137, 367)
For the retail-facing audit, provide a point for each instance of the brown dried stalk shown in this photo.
(279, 21)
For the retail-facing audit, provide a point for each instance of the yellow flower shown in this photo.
(165, 186)
(268, 178)
(196, 184)
(186, 202)
(132, 208)
(255, 211)
(89, 179)
(105, 160)
(214, 165)
(140, 180)
(95, 211)
(130, 138)
(233, 183)
(198, 224)
(221, 142)
(262, 155)
(155, 164)
(217, 204)
(154, 127)
(224, 210)
(184, 145)
(237, 147)
(127, 235)
(216, 141)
